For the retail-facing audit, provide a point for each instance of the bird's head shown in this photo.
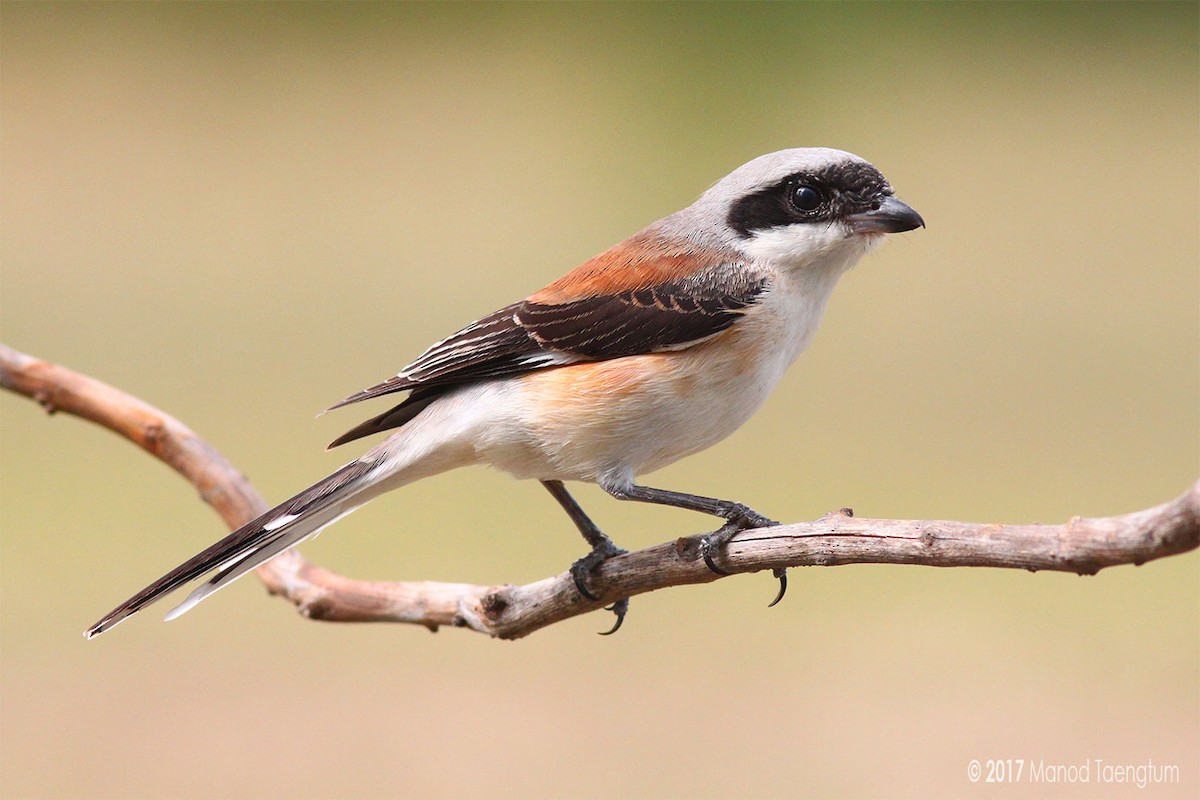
(802, 208)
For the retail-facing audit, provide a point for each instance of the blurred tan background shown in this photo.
(244, 212)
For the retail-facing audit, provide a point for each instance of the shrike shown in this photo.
(653, 350)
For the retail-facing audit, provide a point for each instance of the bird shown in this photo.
(651, 351)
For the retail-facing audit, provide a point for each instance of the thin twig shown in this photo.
(1082, 546)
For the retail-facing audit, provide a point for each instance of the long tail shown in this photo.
(279, 529)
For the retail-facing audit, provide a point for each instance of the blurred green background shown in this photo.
(242, 213)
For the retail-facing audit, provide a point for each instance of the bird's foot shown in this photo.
(582, 568)
(740, 518)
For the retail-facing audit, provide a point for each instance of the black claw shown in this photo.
(714, 541)
(707, 555)
(781, 574)
(581, 587)
(619, 608)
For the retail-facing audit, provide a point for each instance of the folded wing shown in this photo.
(532, 335)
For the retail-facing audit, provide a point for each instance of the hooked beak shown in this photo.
(892, 216)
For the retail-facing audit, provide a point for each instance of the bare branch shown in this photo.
(1083, 546)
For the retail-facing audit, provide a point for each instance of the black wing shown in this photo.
(529, 336)
(633, 322)
(487, 347)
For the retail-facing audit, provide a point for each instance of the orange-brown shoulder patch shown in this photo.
(643, 260)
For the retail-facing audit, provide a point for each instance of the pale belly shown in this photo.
(610, 421)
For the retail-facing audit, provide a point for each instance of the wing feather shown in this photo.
(531, 335)
(487, 347)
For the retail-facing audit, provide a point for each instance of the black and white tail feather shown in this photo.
(256, 542)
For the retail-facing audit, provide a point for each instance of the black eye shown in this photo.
(805, 198)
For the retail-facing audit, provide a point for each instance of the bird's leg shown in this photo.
(738, 515)
(603, 549)
(738, 518)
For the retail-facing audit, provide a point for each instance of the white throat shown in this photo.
(809, 247)
(807, 261)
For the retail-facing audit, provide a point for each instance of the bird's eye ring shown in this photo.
(805, 198)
